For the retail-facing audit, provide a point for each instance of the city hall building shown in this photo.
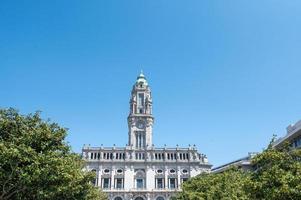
(141, 171)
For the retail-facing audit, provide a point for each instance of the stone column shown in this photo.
(112, 178)
(99, 176)
(101, 155)
(178, 177)
(166, 178)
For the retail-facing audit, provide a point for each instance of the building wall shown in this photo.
(149, 167)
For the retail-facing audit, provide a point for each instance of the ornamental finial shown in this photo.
(141, 73)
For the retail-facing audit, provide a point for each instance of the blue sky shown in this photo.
(225, 75)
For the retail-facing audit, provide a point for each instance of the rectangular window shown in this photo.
(160, 183)
(140, 99)
(137, 139)
(106, 183)
(139, 183)
(119, 184)
(172, 183)
(140, 139)
(297, 142)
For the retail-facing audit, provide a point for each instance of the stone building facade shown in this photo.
(140, 171)
(292, 137)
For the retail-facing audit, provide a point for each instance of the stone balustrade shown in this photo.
(151, 154)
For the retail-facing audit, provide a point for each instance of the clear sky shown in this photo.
(225, 75)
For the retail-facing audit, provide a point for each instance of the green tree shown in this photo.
(277, 175)
(36, 162)
(229, 185)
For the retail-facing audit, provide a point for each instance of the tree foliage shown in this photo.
(276, 176)
(228, 185)
(36, 163)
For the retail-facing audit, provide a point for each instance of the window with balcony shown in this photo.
(172, 183)
(159, 183)
(139, 183)
(106, 183)
(119, 183)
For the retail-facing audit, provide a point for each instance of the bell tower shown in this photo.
(140, 119)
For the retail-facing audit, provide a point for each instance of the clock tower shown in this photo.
(140, 119)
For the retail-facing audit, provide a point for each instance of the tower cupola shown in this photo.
(141, 80)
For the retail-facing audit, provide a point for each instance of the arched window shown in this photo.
(159, 198)
(118, 198)
(139, 198)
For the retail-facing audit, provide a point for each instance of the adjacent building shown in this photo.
(141, 171)
(242, 163)
(292, 137)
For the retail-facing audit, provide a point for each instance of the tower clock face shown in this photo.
(140, 124)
